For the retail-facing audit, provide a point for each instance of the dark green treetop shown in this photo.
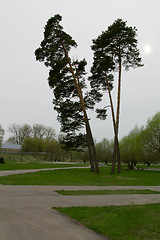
(101, 69)
(55, 39)
(120, 43)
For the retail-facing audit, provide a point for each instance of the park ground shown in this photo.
(121, 216)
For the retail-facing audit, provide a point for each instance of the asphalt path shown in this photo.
(26, 214)
(25, 211)
(14, 172)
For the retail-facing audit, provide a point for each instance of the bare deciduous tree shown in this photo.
(21, 132)
(1, 134)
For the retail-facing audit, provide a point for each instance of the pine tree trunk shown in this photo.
(118, 111)
(90, 141)
(114, 158)
(118, 158)
(90, 152)
(114, 126)
(92, 146)
(116, 150)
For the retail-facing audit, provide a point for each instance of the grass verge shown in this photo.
(134, 222)
(105, 192)
(84, 177)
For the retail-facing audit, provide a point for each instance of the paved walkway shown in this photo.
(26, 214)
(14, 172)
(25, 211)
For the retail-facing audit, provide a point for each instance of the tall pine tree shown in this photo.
(114, 49)
(66, 78)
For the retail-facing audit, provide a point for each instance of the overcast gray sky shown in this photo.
(25, 96)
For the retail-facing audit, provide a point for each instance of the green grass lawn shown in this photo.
(18, 165)
(145, 166)
(155, 166)
(105, 192)
(136, 222)
(84, 177)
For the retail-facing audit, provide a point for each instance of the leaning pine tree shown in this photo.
(113, 49)
(67, 81)
(68, 107)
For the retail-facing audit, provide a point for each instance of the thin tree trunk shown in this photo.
(118, 157)
(89, 132)
(90, 141)
(114, 126)
(90, 157)
(116, 150)
(114, 158)
(118, 110)
(111, 102)
(92, 146)
(118, 97)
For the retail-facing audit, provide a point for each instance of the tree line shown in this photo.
(140, 146)
(20, 132)
(37, 139)
(1, 134)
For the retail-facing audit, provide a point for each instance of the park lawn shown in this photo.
(155, 166)
(152, 166)
(105, 192)
(17, 165)
(134, 222)
(84, 177)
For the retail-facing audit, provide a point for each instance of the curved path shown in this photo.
(14, 172)
(25, 211)
(26, 214)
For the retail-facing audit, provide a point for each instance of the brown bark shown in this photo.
(90, 141)
(111, 102)
(114, 126)
(116, 151)
(118, 158)
(114, 158)
(118, 110)
(88, 130)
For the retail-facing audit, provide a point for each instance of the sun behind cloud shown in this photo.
(147, 49)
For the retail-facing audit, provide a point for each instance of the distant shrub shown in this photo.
(1, 160)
